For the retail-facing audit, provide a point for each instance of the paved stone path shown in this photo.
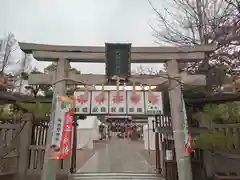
(116, 176)
(117, 157)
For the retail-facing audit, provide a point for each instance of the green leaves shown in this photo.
(211, 140)
(222, 137)
(24, 75)
(10, 112)
(4, 113)
(17, 112)
(38, 109)
(220, 114)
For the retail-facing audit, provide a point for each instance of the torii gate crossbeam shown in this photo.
(96, 54)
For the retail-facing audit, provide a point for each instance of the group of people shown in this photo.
(121, 130)
(107, 131)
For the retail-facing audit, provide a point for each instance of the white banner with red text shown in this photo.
(121, 102)
(62, 128)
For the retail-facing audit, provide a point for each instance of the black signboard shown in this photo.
(118, 60)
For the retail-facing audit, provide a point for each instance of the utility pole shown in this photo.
(50, 166)
(175, 98)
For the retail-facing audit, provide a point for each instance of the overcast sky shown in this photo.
(78, 22)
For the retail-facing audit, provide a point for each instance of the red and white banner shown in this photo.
(66, 139)
(62, 131)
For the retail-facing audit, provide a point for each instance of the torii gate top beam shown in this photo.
(96, 54)
(101, 49)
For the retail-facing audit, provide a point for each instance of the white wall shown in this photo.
(149, 142)
(87, 132)
(84, 138)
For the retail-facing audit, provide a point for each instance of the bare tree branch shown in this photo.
(195, 22)
(8, 62)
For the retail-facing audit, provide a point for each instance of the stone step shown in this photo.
(115, 176)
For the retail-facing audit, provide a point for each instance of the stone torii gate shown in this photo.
(172, 56)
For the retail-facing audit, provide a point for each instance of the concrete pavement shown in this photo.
(119, 160)
(118, 156)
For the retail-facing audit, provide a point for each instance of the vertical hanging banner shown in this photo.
(82, 102)
(99, 102)
(153, 103)
(117, 102)
(62, 128)
(58, 118)
(66, 140)
(135, 102)
(187, 134)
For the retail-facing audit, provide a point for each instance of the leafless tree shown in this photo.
(195, 22)
(4, 61)
(10, 63)
(8, 48)
(141, 70)
(187, 22)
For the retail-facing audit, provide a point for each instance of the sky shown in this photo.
(79, 22)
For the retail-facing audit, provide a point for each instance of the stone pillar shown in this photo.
(61, 90)
(50, 166)
(175, 98)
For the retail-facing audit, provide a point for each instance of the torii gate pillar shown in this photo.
(50, 166)
(175, 98)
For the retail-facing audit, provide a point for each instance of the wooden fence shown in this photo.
(232, 132)
(232, 147)
(9, 146)
(22, 146)
(36, 149)
(22, 149)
